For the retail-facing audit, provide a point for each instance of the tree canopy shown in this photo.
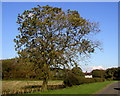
(77, 71)
(113, 73)
(98, 73)
(50, 37)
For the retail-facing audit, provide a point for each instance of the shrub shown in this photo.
(93, 80)
(99, 79)
(81, 80)
(89, 80)
(75, 80)
(77, 71)
(71, 79)
(98, 73)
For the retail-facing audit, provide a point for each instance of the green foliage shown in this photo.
(92, 80)
(74, 77)
(88, 80)
(77, 71)
(13, 70)
(82, 89)
(99, 79)
(7, 67)
(71, 79)
(57, 74)
(98, 73)
(112, 74)
(51, 37)
(109, 74)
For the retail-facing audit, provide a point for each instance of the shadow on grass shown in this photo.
(32, 86)
(30, 89)
(50, 87)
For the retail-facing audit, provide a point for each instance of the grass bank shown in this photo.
(81, 89)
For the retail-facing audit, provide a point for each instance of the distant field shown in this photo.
(13, 85)
(91, 88)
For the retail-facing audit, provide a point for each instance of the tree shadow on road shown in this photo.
(117, 88)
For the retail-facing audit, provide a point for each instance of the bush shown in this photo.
(89, 80)
(77, 71)
(71, 79)
(74, 79)
(93, 80)
(81, 80)
(98, 73)
(99, 79)
(109, 79)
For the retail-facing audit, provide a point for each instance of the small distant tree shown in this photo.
(50, 37)
(8, 65)
(117, 73)
(112, 73)
(77, 71)
(98, 73)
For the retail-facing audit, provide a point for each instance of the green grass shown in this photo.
(81, 89)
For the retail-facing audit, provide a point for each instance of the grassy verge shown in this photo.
(81, 89)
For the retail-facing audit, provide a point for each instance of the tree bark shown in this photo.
(44, 85)
(45, 77)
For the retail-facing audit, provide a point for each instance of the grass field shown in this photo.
(91, 88)
(15, 85)
(81, 89)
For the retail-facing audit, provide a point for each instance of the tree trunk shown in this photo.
(46, 76)
(44, 85)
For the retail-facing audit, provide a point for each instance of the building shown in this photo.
(88, 75)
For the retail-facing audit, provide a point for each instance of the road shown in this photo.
(111, 90)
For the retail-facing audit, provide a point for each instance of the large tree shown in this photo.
(50, 37)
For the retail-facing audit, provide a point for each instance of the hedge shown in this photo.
(72, 79)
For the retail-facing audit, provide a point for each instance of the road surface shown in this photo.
(111, 90)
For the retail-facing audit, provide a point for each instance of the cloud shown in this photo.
(98, 67)
(90, 68)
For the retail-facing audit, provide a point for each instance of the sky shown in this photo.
(106, 13)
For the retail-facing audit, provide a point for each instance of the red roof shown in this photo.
(87, 73)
